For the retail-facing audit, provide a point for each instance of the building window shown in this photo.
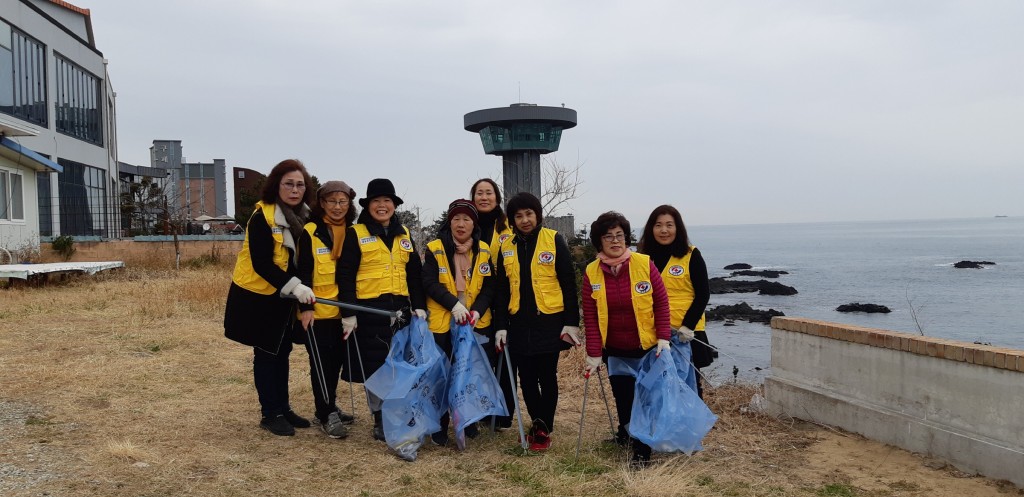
(84, 206)
(77, 102)
(22, 75)
(12, 200)
(45, 204)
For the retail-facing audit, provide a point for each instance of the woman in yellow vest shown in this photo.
(686, 279)
(537, 313)
(458, 282)
(494, 230)
(379, 267)
(265, 271)
(319, 248)
(625, 312)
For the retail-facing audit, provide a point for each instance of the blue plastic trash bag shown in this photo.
(667, 414)
(413, 386)
(623, 366)
(473, 391)
(682, 353)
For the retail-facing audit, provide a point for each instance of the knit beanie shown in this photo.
(462, 206)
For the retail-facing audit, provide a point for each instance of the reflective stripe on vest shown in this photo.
(382, 271)
(680, 289)
(440, 318)
(546, 290)
(244, 275)
(324, 268)
(641, 291)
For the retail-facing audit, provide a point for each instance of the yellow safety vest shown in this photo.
(680, 289)
(382, 271)
(642, 293)
(244, 275)
(324, 268)
(497, 239)
(440, 317)
(546, 290)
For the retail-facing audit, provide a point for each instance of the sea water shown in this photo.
(904, 265)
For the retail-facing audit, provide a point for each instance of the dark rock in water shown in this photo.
(742, 311)
(729, 323)
(973, 264)
(767, 273)
(763, 287)
(858, 307)
(738, 265)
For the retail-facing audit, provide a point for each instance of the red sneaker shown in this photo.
(541, 441)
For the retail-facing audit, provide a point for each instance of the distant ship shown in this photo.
(999, 215)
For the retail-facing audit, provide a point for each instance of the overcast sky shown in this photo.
(734, 112)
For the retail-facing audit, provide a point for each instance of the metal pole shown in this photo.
(501, 361)
(611, 424)
(583, 412)
(515, 395)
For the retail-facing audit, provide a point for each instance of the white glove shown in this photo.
(500, 337)
(663, 346)
(348, 325)
(420, 313)
(593, 364)
(473, 317)
(460, 313)
(304, 294)
(571, 335)
(685, 334)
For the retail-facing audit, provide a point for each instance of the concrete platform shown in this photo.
(28, 271)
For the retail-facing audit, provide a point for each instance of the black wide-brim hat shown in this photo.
(380, 187)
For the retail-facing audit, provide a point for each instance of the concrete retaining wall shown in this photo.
(956, 401)
(156, 253)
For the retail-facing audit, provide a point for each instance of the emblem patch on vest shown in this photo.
(367, 239)
(676, 270)
(406, 244)
(595, 287)
(643, 287)
(485, 269)
(545, 257)
(502, 238)
(322, 250)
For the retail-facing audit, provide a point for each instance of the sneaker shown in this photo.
(639, 460)
(621, 438)
(345, 417)
(439, 438)
(296, 420)
(333, 426)
(278, 425)
(540, 440)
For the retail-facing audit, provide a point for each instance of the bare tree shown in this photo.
(560, 183)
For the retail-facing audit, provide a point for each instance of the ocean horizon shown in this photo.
(906, 266)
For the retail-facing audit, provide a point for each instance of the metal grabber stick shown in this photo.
(359, 356)
(318, 365)
(351, 388)
(501, 361)
(583, 412)
(611, 424)
(515, 395)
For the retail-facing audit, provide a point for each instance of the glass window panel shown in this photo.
(17, 198)
(3, 196)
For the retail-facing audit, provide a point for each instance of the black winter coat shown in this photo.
(262, 321)
(529, 331)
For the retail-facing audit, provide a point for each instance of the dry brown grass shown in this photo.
(124, 385)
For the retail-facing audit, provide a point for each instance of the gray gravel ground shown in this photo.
(22, 471)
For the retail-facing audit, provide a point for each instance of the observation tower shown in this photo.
(520, 134)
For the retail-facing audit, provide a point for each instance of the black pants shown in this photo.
(270, 373)
(622, 390)
(538, 378)
(444, 341)
(324, 344)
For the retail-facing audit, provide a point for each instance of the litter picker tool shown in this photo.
(357, 307)
(318, 365)
(583, 413)
(515, 396)
(501, 362)
(607, 408)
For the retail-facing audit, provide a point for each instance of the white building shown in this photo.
(58, 159)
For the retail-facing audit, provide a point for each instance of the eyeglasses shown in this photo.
(293, 186)
(336, 203)
(614, 238)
